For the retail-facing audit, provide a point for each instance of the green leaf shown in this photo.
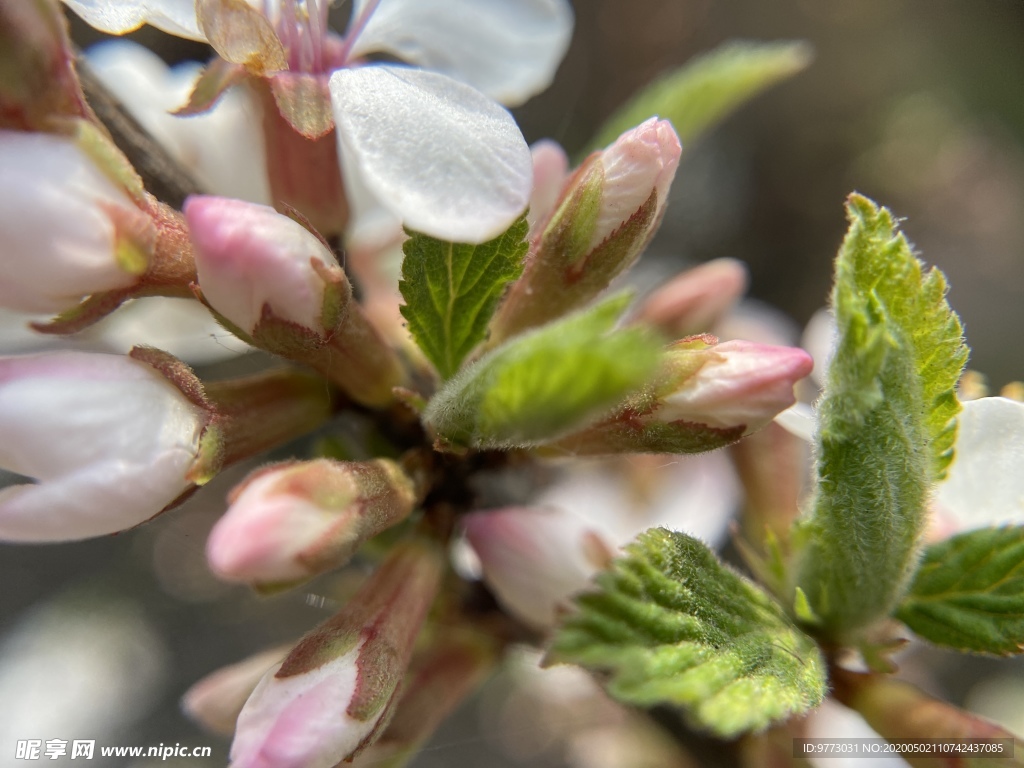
(886, 425)
(969, 592)
(674, 626)
(545, 383)
(452, 289)
(706, 90)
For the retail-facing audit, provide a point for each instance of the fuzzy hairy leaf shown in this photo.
(886, 424)
(674, 626)
(969, 592)
(545, 383)
(706, 90)
(452, 289)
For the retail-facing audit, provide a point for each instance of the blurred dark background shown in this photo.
(917, 103)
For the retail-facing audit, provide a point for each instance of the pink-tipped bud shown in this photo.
(252, 260)
(609, 210)
(109, 440)
(68, 230)
(215, 701)
(534, 559)
(289, 522)
(738, 384)
(276, 282)
(636, 171)
(550, 168)
(333, 694)
(709, 395)
(692, 302)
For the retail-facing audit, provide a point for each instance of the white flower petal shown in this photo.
(440, 155)
(182, 327)
(117, 17)
(509, 49)
(799, 420)
(222, 148)
(985, 485)
(820, 339)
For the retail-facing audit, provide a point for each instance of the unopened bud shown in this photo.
(114, 440)
(609, 210)
(550, 169)
(738, 384)
(334, 693)
(709, 395)
(290, 522)
(109, 441)
(534, 559)
(215, 701)
(281, 287)
(693, 301)
(68, 230)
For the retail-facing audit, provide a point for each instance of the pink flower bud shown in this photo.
(334, 693)
(693, 301)
(637, 169)
(250, 257)
(534, 559)
(550, 168)
(68, 230)
(608, 212)
(709, 395)
(215, 701)
(274, 280)
(289, 522)
(109, 441)
(738, 383)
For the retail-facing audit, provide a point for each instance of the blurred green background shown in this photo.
(918, 104)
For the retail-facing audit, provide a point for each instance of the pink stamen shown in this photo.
(317, 28)
(356, 28)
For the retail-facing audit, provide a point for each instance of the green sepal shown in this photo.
(703, 92)
(671, 625)
(886, 425)
(545, 383)
(452, 289)
(968, 593)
